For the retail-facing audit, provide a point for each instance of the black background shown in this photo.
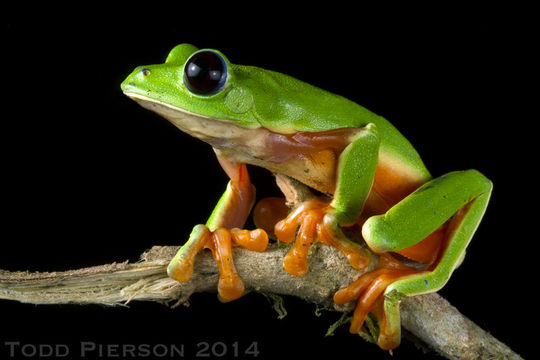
(89, 177)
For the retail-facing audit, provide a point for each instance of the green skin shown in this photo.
(254, 98)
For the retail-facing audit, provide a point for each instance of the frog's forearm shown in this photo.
(221, 232)
(232, 209)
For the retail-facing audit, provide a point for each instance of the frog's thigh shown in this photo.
(426, 209)
(463, 195)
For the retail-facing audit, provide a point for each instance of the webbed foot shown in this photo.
(315, 220)
(369, 290)
(220, 242)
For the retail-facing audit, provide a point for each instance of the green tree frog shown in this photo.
(372, 177)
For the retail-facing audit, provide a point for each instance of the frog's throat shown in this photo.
(219, 133)
(255, 146)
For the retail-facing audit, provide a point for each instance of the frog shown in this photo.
(368, 178)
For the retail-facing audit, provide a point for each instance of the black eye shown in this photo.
(205, 73)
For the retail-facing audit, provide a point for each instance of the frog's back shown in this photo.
(304, 107)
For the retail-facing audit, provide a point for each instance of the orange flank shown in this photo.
(303, 143)
(309, 157)
(394, 181)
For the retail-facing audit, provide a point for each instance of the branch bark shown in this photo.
(428, 317)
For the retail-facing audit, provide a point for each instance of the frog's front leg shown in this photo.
(317, 219)
(449, 207)
(221, 232)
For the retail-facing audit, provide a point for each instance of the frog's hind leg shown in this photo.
(460, 197)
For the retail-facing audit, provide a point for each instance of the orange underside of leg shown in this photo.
(425, 251)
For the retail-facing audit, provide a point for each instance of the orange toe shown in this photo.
(254, 240)
(373, 292)
(295, 262)
(285, 229)
(230, 287)
(181, 270)
(230, 284)
(355, 289)
(357, 257)
(181, 267)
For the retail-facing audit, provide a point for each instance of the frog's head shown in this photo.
(196, 90)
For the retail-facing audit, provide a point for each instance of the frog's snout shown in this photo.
(135, 78)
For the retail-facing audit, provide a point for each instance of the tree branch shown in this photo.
(429, 317)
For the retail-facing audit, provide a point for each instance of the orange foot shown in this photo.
(310, 221)
(220, 242)
(369, 292)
